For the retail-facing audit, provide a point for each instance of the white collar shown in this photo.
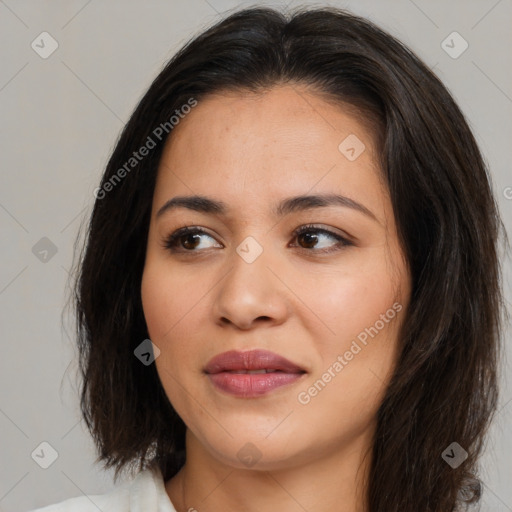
(147, 493)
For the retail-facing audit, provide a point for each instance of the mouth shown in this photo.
(252, 373)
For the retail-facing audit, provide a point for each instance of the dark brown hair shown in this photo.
(444, 388)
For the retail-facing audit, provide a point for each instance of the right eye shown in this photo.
(185, 239)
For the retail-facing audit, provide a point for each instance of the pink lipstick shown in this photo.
(252, 373)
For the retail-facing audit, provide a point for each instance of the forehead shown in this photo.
(286, 141)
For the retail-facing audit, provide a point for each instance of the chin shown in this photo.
(257, 452)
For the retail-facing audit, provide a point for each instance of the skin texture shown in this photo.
(251, 151)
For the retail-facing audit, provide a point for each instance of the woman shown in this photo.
(290, 292)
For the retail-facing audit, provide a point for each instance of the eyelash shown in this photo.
(171, 242)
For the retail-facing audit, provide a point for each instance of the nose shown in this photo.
(251, 294)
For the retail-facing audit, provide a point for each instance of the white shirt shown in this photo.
(145, 493)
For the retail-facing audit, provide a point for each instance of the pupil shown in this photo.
(310, 239)
(188, 238)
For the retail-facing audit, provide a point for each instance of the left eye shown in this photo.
(312, 234)
(188, 239)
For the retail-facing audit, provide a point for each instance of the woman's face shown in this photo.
(329, 300)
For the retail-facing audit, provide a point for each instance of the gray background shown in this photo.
(60, 119)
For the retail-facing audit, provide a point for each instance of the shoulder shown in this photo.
(145, 493)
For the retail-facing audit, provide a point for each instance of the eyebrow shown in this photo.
(205, 204)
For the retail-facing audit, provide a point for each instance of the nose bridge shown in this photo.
(250, 290)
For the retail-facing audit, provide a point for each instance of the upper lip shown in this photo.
(251, 360)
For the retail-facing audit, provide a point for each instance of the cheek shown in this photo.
(357, 361)
(168, 315)
(351, 300)
(169, 299)
(172, 303)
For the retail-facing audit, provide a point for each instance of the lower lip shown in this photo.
(249, 385)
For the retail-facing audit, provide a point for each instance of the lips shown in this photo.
(252, 374)
(253, 361)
